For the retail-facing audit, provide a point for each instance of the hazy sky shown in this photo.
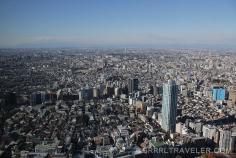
(131, 23)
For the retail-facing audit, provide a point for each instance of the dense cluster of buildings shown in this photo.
(117, 102)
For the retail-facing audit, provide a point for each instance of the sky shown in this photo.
(118, 23)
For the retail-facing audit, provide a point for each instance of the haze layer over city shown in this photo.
(118, 79)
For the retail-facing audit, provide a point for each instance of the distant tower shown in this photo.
(133, 85)
(169, 106)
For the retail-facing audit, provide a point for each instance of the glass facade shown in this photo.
(218, 94)
(169, 106)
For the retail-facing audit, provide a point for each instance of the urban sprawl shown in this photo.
(117, 103)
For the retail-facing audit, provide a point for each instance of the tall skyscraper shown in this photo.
(133, 85)
(169, 106)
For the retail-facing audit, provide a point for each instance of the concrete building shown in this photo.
(210, 132)
(225, 138)
(232, 97)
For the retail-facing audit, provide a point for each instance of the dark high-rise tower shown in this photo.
(133, 85)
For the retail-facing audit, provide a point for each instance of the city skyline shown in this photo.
(106, 103)
(157, 24)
